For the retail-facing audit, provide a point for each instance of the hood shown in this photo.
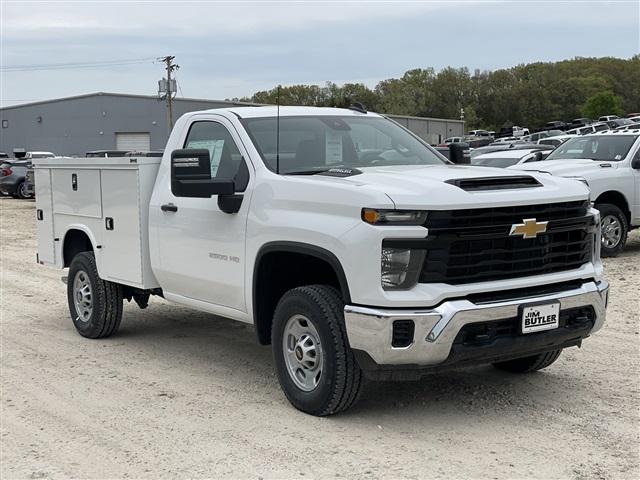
(580, 167)
(426, 186)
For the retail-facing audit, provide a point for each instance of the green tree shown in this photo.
(528, 95)
(602, 103)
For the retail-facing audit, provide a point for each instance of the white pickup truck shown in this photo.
(355, 249)
(609, 163)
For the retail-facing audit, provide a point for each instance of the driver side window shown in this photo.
(226, 160)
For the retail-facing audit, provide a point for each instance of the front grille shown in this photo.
(467, 246)
(479, 218)
(483, 333)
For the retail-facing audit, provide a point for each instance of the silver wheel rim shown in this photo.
(611, 231)
(23, 190)
(82, 296)
(302, 352)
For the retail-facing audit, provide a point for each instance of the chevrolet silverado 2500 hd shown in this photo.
(355, 249)
(609, 163)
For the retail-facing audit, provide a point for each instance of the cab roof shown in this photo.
(272, 111)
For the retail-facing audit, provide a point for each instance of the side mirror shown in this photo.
(635, 163)
(459, 153)
(191, 175)
(537, 157)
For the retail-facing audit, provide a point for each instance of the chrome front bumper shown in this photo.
(370, 329)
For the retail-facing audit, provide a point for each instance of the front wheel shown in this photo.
(95, 305)
(316, 367)
(615, 229)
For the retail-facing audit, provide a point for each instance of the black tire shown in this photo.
(610, 210)
(106, 299)
(340, 382)
(529, 364)
(20, 191)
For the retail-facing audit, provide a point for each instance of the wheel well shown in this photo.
(75, 242)
(278, 271)
(617, 199)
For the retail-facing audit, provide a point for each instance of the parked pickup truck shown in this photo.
(354, 248)
(609, 163)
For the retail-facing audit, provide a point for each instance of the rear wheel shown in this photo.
(529, 364)
(21, 191)
(95, 305)
(316, 367)
(615, 229)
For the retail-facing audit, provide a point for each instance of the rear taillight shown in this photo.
(6, 171)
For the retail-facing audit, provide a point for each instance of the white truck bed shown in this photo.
(108, 199)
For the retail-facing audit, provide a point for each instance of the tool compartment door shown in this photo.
(76, 191)
(120, 253)
(44, 216)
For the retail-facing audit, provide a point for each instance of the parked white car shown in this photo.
(555, 141)
(606, 118)
(609, 163)
(478, 133)
(453, 140)
(352, 246)
(506, 158)
(39, 155)
(534, 137)
(582, 130)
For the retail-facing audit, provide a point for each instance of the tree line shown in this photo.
(527, 95)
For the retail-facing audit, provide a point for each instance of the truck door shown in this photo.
(201, 249)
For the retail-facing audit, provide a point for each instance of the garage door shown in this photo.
(129, 141)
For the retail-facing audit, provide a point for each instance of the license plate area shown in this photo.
(537, 317)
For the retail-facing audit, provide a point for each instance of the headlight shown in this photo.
(393, 217)
(400, 267)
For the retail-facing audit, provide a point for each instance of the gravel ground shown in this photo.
(178, 393)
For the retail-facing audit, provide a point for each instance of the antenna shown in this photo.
(278, 131)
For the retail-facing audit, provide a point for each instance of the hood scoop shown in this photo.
(494, 183)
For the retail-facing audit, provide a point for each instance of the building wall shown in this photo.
(432, 130)
(76, 125)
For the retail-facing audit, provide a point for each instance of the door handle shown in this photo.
(169, 207)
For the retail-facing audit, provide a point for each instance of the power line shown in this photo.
(74, 65)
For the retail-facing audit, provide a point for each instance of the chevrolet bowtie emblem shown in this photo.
(529, 228)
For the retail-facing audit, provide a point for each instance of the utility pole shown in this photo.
(168, 61)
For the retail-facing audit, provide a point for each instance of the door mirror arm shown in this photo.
(635, 163)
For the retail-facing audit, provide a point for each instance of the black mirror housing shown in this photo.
(635, 163)
(459, 153)
(191, 175)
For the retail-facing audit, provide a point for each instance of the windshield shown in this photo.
(608, 148)
(317, 143)
(501, 162)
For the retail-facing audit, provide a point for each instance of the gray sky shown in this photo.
(232, 49)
